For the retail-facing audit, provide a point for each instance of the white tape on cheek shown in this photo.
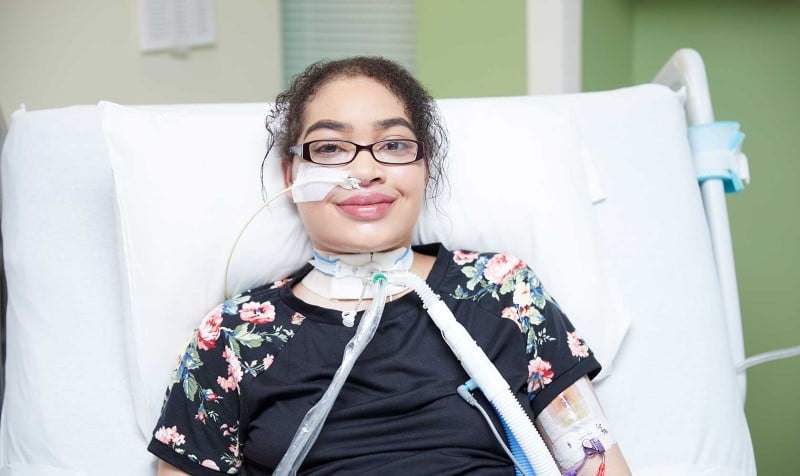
(314, 182)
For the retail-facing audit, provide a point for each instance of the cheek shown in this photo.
(307, 211)
(416, 181)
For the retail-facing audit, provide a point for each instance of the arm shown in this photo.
(198, 426)
(574, 417)
(166, 469)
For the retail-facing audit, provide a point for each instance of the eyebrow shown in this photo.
(344, 127)
(395, 121)
(328, 124)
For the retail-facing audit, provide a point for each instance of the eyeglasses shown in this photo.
(340, 152)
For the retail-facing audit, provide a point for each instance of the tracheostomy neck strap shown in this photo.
(348, 276)
(363, 264)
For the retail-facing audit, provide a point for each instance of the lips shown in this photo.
(366, 206)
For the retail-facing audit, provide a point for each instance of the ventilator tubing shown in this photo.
(485, 374)
(312, 423)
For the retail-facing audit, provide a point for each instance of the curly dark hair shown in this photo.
(285, 119)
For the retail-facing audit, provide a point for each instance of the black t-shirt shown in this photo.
(259, 361)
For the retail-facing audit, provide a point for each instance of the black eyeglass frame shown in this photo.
(304, 151)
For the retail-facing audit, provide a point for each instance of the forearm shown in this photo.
(166, 469)
(577, 434)
(614, 463)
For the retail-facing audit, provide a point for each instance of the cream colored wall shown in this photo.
(57, 53)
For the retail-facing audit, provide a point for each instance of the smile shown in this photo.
(371, 206)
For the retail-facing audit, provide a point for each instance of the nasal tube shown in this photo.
(485, 374)
(332, 178)
(312, 423)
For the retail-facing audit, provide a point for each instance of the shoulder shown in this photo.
(500, 276)
(235, 341)
(257, 306)
(506, 286)
(249, 328)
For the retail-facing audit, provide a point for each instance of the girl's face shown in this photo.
(379, 216)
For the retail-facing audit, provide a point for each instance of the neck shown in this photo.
(347, 276)
(339, 265)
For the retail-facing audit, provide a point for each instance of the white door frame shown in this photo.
(553, 46)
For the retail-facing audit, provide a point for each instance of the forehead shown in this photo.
(359, 101)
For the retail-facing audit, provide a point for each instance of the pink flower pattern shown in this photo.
(499, 275)
(511, 313)
(235, 373)
(540, 373)
(577, 345)
(462, 257)
(499, 267)
(170, 436)
(209, 330)
(240, 323)
(297, 318)
(257, 312)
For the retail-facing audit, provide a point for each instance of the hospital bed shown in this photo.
(117, 224)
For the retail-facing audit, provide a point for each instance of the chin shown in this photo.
(362, 243)
(338, 234)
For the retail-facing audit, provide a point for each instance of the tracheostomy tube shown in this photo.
(313, 421)
(473, 359)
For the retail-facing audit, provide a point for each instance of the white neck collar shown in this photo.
(344, 276)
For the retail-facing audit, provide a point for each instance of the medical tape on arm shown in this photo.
(573, 418)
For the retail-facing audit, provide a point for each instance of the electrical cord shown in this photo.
(768, 357)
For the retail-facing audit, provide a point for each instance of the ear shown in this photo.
(286, 170)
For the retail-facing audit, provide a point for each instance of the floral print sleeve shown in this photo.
(557, 354)
(198, 430)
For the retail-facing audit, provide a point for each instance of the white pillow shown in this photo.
(518, 185)
(67, 407)
(187, 180)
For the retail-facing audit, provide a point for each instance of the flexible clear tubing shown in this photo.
(312, 423)
(485, 374)
(472, 358)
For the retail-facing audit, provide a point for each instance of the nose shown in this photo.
(365, 168)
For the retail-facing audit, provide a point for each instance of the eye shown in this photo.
(326, 148)
(395, 146)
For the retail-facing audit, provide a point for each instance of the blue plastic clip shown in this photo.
(717, 151)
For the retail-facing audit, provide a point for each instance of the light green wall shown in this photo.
(468, 48)
(607, 44)
(751, 53)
